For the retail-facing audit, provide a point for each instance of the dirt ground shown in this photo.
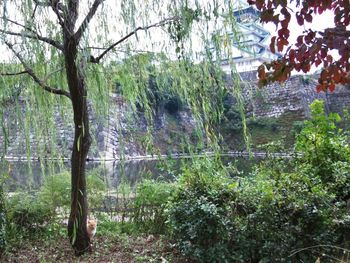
(124, 249)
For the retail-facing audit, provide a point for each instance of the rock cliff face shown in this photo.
(295, 95)
(273, 111)
(122, 132)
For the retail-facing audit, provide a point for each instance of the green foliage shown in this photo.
(2, 221)
(27, 213)
(279, 212)
(232, 120)
(96, 187)
(297, 127)
(325, 150)
(55, 192)
(149, 205)
(198, 212)
(107, 226)
(263, 122)
(29, 220)
(282, 207)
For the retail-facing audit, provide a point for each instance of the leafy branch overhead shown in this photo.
(312, 48)
(31, 73)
(58, 8)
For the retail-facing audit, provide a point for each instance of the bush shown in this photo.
(198, 213)
(173, 104)
(2, 221)
(55, 192)
(325, 151)
(96, 188)
(149, 204)
(284, 211)
(28, 213)
(278, 213)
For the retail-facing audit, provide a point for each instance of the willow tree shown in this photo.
(56, 46)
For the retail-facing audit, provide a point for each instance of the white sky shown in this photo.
(320, 22)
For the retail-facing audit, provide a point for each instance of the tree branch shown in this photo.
(14, 73)
(18, 24)
(56, 6)
(34, 35)
(35, 77)
(87, 19)
(158, 24)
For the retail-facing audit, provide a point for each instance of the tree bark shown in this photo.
(77, 231)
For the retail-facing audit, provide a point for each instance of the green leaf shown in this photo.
(78, 143)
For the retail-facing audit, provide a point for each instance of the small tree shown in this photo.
(59, 43)
(313, 48)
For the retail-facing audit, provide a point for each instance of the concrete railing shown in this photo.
(12, 158)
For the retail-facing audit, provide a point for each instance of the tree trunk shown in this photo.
(77, 231)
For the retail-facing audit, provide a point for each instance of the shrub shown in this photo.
(2, 221)
(28, 213)
(149, 204)
(198, 213)
(278, 213)
(96, 188)
(55, 192)
(173, 104)
(284, 211)
(325, 151)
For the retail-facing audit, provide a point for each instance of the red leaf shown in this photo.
(319, 88)
(292, 55)
(299, 41)
(323, 52)
(329, 59)
(285, 23)
(306, 68)
(283, 33)
(331, 87)
(324, 75)
(259, 4)
(300, 19)
(261, 72)
(272, 44)
(308, 18)
(317, 62)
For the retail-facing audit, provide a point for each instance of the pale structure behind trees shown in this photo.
(63, 46)
(249, 40)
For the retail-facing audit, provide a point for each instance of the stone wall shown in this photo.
(295, 95)
(122, 131)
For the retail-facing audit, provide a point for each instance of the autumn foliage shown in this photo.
(312, 48)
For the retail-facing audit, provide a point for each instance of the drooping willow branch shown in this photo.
(30, 72)
(55, 4)
(87, 19)
(36, 36)
(158, 24)
(121, 50)
(18, 24)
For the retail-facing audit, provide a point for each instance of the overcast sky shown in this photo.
(319, 23)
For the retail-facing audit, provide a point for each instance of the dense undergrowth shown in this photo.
(294, 210)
